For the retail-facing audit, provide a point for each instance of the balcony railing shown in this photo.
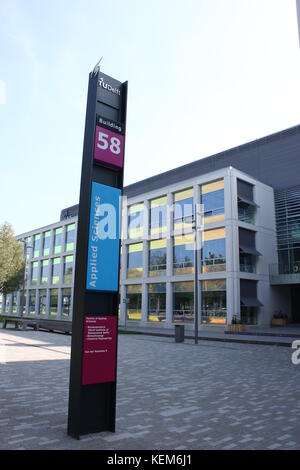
(213, 265)
(285, 273)
(184, 267)
(247, 268)
(157, 269)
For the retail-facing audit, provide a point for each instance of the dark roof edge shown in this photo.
(134, 187)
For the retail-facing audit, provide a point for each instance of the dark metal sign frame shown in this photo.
(92, 408)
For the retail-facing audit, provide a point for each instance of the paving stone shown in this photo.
(169, 396)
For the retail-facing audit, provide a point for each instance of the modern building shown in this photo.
(248, 261)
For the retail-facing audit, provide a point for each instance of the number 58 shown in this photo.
(104, 142)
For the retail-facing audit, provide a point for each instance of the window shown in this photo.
(46, 243)
(68, 269)
(42, 302)
(247, 263)
(44, 271)
(183, 302)
(55, 270)
(134, 302)
(66, 302)
(135, 260)
(136, 220)
(28, 249)
(57, 240)
(157, 302)
(183, 254)
(53, 302)
(248, 251)
(158, 258)
(249, 302)
(158, 215)
(31, 306)
(36, 245)
(70, 237)
(214, 302)
(212, 199)
(23, 300)
(34, 272)
(214, 251)
(184, 209)
(246, 212)
(249, 315)
(246, 205)
(7, 304)
(14, 303)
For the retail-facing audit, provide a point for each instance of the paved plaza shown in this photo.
(170, 396)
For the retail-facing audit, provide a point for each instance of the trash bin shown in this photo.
(179, 333)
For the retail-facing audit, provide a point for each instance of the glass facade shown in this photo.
(70, 237)
(31, 306)
(212, 200)
(57, 240)
(34, 272)
(158, 267)
(158, 215)
(134, 302)
(246, 212)
(136, 221)
(53, 302)
(157, 302)
(42, 307)
(183, 302)
(287, 202)
(36, 245)
(44, 271)
(46, 243)
(184, 210)
(158, 258)
(249, 315)
(68, 269)
(135, 260)
(214, 302)
(247, 263)
(183, 254)
(28, 249)
(14, 303)
(214, 250)
(66, 302)
(55, 271)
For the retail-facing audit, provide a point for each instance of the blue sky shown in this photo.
(204, 76)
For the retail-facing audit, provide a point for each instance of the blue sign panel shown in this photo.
(104, 239)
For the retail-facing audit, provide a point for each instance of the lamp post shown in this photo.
(195, 227)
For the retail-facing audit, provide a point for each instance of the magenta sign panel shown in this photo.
(109, 147)
(99, 350)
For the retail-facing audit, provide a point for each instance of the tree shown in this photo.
(11, 260)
